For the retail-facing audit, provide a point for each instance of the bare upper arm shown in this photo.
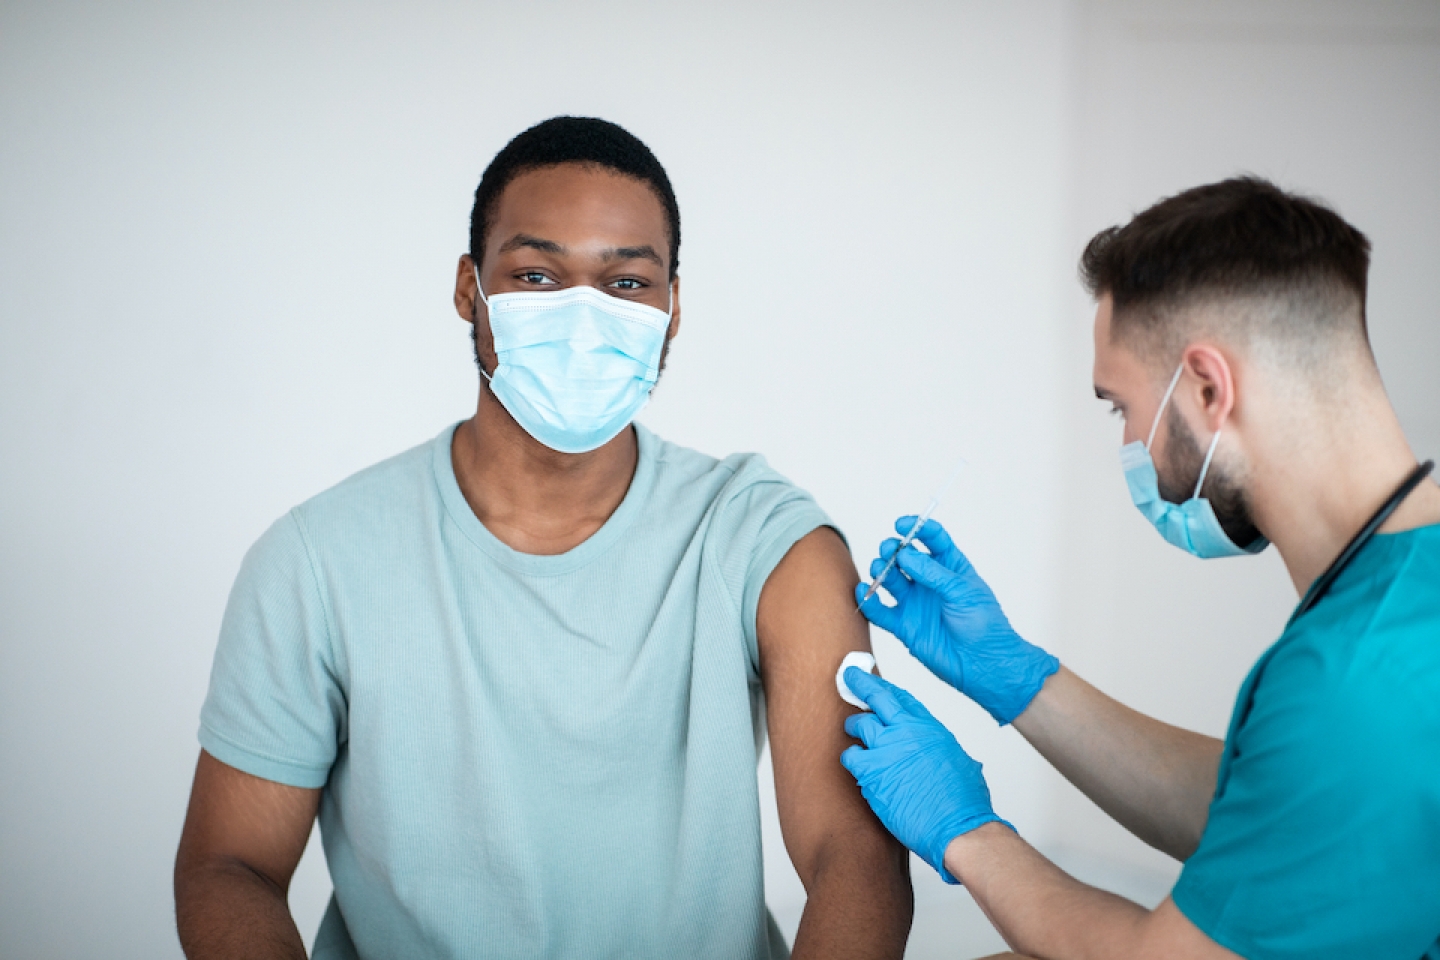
(238, 818)
(805, 624)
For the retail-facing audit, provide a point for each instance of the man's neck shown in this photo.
(534, 499)
(1321, 488)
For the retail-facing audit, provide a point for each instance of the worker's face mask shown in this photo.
(575, 365)
(1192, 526)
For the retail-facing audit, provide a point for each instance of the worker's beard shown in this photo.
(1183, 459)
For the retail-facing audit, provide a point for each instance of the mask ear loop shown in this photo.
(1205, 467)
(1155, 424)
(1214, 441)
(481, 294)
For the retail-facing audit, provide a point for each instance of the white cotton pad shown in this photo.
(855, 658)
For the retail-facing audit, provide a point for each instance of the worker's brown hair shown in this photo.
(1237, 239)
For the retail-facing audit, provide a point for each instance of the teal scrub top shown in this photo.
(1324, 833)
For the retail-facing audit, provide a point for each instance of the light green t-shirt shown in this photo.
(522, 756)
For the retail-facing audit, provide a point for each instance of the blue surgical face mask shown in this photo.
(575, 365)
(1192, 526)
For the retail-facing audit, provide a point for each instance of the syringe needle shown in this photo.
(949, 482)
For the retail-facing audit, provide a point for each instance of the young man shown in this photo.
(1231, 337)
(520, 671)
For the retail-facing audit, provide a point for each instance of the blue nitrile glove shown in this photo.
(915, 776)
(951, 621)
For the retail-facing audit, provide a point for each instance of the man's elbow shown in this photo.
(862, 854)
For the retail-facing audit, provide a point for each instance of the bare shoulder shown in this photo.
(816, 577)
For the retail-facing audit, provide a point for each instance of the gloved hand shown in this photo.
(915, 776)
(951, 621)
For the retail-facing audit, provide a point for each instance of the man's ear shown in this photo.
(466, 290)
(474, 312)
(674, 310)
(1210, 383)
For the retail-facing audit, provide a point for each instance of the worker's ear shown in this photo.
(1208, 386)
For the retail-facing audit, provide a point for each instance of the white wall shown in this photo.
(227, 243)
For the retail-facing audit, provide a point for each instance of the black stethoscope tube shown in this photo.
(1363, 537)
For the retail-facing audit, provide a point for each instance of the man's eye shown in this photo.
(1117, 411)
(628, 283)
(533, 276)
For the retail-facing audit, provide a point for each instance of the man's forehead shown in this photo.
(562, 208)
(573, 191)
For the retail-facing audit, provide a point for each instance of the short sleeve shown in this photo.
(763, 516)
(276, 707)
(1324, 839)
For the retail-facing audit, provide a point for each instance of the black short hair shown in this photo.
(584, 140)
(1241, 237)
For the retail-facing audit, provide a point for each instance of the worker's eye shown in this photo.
(535, 277)
(1116, 410)
(628, 283)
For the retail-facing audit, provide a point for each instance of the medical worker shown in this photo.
(1230, 336)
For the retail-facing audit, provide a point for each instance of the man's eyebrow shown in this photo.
(1103, 394)
(522, 241)
(645, 252)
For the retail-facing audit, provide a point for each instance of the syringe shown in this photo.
(914, 529)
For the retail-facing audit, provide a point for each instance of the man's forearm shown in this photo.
(1156, 780)
(859, 902)
(226, 910)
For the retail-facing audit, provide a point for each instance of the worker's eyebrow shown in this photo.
(645, 252)
(522, 241)
(1103, 394)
